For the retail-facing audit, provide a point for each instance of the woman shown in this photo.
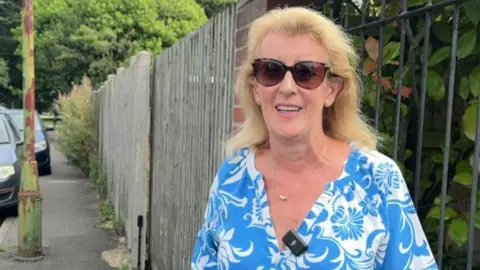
(303, 186)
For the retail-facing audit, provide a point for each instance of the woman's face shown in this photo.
(292, 110)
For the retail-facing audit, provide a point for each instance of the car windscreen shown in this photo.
(20, 123)
(4, 136)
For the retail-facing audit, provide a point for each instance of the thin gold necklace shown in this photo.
(280, 195)
(275, 170)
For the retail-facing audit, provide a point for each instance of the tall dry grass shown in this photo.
(75, 134)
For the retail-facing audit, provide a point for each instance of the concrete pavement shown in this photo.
(70, 238)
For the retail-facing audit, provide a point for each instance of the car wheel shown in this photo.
(47, 171)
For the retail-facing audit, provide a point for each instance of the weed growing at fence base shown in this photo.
(75, 136)
(98, 177)
(106, 217)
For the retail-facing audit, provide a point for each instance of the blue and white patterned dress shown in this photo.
(363, 220)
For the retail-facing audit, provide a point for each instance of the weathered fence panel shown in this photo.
(123, 134)
(192, 106)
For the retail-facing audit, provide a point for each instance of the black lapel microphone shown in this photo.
(294, 242)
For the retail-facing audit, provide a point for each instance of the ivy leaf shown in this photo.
(369, 65)
(463, 167)
(437, 200)
(387, 33)
(371, 46)
(442, 31)
(470, 161)
(390, 52)
(469, 120)
(438, 158)
(464, 179)
(474, 80)
(435, 213)
(435, 85)
(424, 183)
(439, 55)
(463, 144)
(458, 230)
(477, 218)
(472, 11)
(466, 44)
(429, 53)
(464, 91)
(408, 154)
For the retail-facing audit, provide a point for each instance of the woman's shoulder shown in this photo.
(382, 169)
(375, 158)
(236, 164)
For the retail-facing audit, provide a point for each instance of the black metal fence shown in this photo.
(421, 75)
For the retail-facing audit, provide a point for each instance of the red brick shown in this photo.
(240, 56)
(241, 38)
(250, 12)
(238, 114)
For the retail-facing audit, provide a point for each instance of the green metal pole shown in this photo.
(29, 197)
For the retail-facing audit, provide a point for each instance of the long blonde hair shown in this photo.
(343, 120)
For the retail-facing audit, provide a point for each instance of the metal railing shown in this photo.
(418, 60)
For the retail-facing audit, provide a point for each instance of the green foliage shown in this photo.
(97, 176)
(4, 77)
(94, 38)
(464, 121)
(10, 78)
(75, 136)
(213, 7)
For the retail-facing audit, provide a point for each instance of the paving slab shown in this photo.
(69, 236)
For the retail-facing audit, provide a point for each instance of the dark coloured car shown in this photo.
(11, 151)
(42, 146)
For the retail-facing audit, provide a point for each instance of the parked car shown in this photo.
(42, 146)
(11, 152)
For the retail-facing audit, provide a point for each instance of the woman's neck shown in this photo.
(295, 156)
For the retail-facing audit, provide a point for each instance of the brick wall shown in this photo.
(247, 12)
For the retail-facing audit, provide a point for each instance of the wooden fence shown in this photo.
(177, 113)
(123, 120)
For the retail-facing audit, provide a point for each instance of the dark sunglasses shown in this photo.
(307, 74)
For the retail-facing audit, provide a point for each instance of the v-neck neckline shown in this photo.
(305, 226)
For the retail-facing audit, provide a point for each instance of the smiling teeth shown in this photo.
(288, 108)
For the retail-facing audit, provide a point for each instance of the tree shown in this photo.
(4, 78)
(212, 7)
(94, 38)
(10, 78)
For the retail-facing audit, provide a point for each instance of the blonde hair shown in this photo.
(343, 120)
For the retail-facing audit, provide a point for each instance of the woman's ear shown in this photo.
(336, 85)
(253, 87)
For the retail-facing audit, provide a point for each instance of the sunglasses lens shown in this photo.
(269, 73)
(309, 75)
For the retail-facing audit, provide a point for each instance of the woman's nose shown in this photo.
(287, 85)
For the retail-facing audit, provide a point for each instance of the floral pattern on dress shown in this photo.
(365, 219)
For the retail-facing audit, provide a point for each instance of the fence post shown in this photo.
(141, 125)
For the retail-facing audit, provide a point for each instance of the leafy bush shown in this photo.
(75, 136)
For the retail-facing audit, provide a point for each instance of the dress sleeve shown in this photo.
(407, 246)
(205, 250)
